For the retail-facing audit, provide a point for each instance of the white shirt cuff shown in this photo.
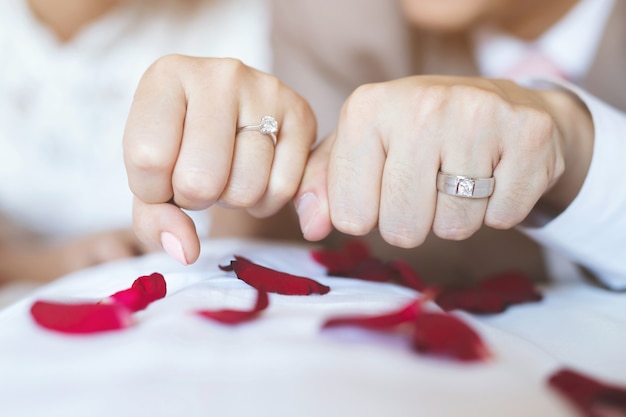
(592, 230)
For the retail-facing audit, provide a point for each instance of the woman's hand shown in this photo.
(379, 169)
(183, 151)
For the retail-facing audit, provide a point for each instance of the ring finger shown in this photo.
(460, 211)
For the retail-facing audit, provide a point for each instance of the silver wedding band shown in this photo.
(466, 187)
(268, 126)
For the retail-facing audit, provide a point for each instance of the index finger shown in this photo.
(153, 132)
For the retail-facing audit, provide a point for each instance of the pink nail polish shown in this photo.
(308, 207)
(171, 244)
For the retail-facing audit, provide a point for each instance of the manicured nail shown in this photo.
(307, 207)
(171, 244)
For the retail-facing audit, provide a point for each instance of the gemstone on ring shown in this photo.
(465, 187)
(268, 125)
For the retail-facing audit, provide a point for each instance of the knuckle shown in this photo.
(511, 209)
(165, 65)
(504, 217)
(456, 219)
(229, 70)
(350, 222)
(402, 238)
(241, 196)
(271, 85)
(362, 102)
(283, 189)
(452, 231)
(501, 220)
(144, 156)
(196, 190)
(302, 112)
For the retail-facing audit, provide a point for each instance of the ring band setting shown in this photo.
(268, 126)
(466, 187)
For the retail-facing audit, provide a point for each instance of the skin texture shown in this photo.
(367, 175)
(180, 149)
(382, 175)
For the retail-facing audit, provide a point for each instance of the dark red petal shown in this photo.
(592, 397)
(492, 295)
(227, 268)
(228, 316)
(370, 270)
(385, 321)
(515, 287)
(337, 262)
(145, 290)
(80, 318)
(270, 280)
(356, 261)
(474, 300)
(407, 276)
(447, 335)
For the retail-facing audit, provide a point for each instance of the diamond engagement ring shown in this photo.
(268, 126)
(467, 187)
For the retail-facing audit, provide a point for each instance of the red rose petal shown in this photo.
(514, 287)
(112, 313)
(447, 335)
(145, 290)
(80, 318)
(355, 261)
(592, 397)
(337, 262)
(407, 276)
(492, 295)
(228, 316)
(433, 333)
(372, 269)
(270, 280)
(386, 321)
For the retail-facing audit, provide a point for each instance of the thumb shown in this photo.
(167, 226)
(311, 200)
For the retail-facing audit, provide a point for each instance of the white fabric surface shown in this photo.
(173, 363)
(63, 107)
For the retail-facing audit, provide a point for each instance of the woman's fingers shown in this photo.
(296, 134)
(167, 226)
(205, 156)
(185, 147)
(154, 131)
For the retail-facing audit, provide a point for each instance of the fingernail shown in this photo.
(171, 244)
(307, 208)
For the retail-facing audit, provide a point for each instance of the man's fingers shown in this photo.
(296, 134)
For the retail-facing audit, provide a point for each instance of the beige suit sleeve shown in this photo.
(324, 49)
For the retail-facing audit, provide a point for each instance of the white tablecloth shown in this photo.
(173, 363)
